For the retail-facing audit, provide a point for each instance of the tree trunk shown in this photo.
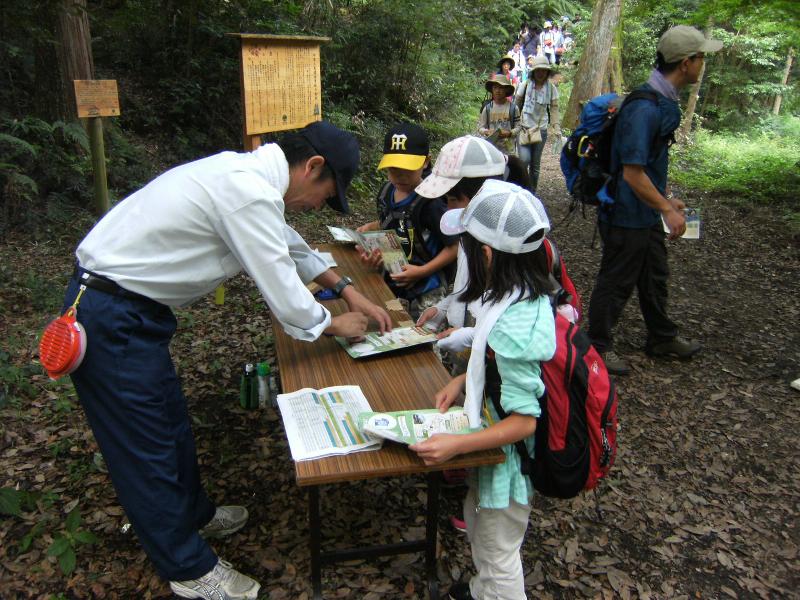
(615, 80)
(74, 49)
(694, 94)
(593, 62)
(776, 107)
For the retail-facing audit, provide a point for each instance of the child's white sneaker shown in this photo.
(223, 582)
(227, 520)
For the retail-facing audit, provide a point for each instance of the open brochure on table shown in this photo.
(396, 339)
(394, 258)
(692, 224)
(325, 422)
(412, 426)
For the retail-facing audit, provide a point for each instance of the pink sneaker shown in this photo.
(458, 524)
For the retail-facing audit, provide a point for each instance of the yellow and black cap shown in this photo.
(405, 147)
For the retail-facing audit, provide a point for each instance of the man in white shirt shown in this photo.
(167, 245)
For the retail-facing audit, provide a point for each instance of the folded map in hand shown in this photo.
(412, 426)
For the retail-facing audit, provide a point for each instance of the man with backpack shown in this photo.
(634, 252)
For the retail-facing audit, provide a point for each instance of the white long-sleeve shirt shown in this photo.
(196, 225)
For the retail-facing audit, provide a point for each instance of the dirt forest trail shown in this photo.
(702, 503)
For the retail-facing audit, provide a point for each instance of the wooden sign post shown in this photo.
(97, 98)
(281, 84)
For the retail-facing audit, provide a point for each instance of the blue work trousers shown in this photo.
(133, 401)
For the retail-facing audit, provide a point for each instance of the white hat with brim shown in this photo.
(503, 216)
(467, 156)
(682, 41)
(451, 222)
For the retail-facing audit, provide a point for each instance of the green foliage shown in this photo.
(14, 502)
(10, 502)
(15, 384)
(40, 159)
(67, 542)
(761, 166)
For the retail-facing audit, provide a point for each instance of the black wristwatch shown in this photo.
(340, 285)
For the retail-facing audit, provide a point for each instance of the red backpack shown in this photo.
(576, 434)
(568, 294)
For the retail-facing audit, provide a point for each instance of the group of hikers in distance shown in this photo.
(480, 271)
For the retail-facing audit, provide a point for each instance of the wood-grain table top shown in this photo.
(401, 380)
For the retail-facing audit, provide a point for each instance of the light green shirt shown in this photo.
(523, 336)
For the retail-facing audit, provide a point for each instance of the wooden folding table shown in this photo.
(401, 380)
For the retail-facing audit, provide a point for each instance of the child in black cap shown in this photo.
(431, 255)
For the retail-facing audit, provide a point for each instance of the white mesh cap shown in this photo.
(467, 156)
(501, 215)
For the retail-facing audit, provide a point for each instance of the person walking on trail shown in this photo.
(519, 70)
(505, 66)
(537, 99)
(547, 42)
(634, 252)
(499, 119)
(164, 246)
(530, 39)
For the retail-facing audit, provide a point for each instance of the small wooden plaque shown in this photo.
(97, 97)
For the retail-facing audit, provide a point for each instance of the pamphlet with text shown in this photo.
(394, 257)
(692, 224)
(412, 426)
(396, 339)
(325, 422)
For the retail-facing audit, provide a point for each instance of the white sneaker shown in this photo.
(223, 582)
(227, 520)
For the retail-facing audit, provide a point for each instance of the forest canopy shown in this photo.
(179, 82)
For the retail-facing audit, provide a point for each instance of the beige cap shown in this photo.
(682, 41)
(540, 62)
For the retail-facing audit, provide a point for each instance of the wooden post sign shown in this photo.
(281, 85)
(97, 98)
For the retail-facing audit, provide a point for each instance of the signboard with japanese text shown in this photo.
(281, 84)
(96, 97)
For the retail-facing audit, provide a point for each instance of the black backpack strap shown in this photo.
(416, 221)
(388, 214)
(385, 212)
(488, 114)
(525, 460)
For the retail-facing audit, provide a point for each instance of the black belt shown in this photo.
(103, 284)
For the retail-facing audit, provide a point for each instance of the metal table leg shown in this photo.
(431, 525)
(316, 541)
(428, 545)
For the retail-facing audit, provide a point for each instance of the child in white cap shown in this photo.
(503, 232)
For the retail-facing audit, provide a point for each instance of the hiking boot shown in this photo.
(227, 520)
(460, 591)
(223, 582)
(677, 347)
(615, 364)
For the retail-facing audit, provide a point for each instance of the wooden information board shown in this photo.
(96, 97)
(281, 85)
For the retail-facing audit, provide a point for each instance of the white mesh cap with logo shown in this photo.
(467, 156)
(501, 215)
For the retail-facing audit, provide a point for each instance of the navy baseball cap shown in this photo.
(339, 148)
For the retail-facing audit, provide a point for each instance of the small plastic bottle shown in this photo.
(263, 384)
(248, 388)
